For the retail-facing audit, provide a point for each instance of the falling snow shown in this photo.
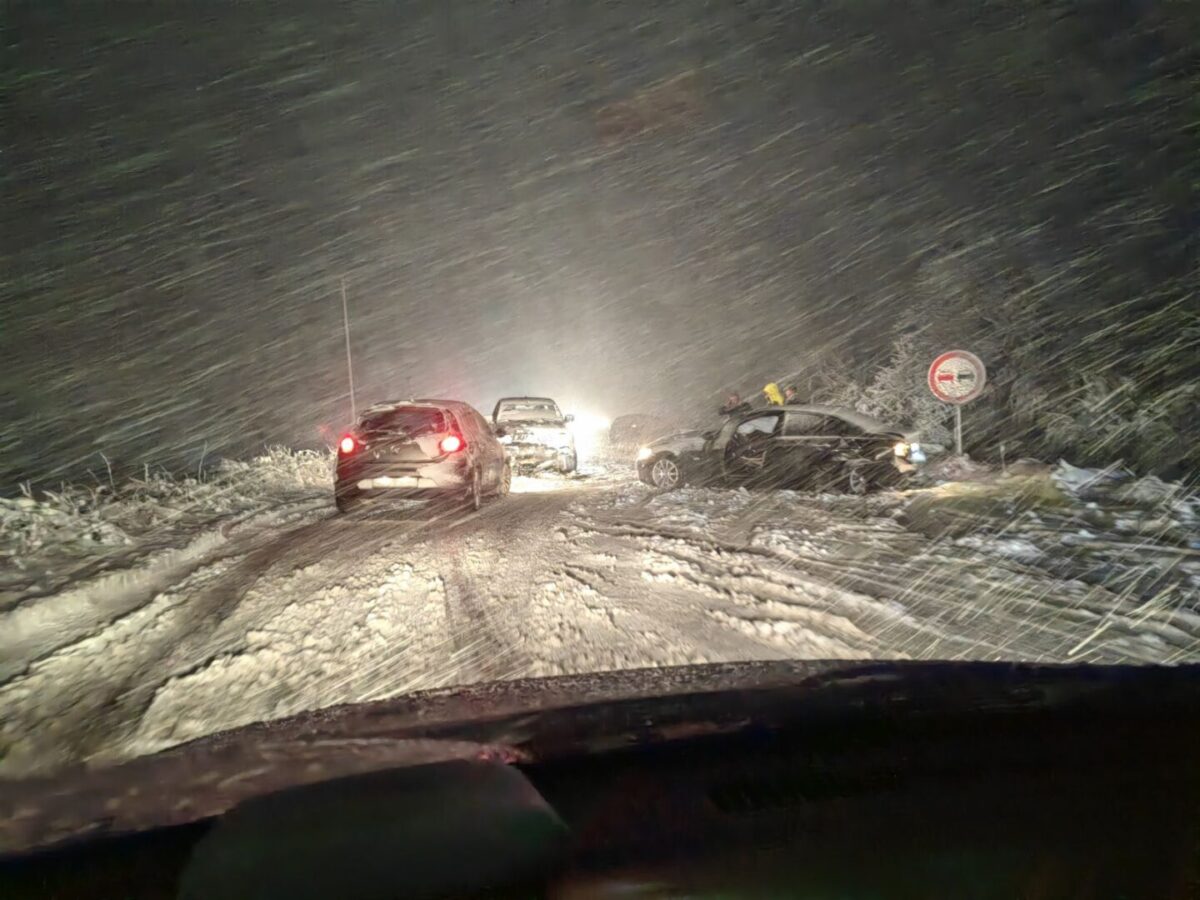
(634, 208)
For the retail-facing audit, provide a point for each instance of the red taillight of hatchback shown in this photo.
(347, 445)
(452, 443)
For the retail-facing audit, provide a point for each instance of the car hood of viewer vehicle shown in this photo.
(536, 720)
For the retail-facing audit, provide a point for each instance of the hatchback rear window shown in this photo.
(411, 421)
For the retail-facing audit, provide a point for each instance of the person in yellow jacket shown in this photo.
(773, 394)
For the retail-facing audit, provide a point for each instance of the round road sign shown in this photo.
(957, 377)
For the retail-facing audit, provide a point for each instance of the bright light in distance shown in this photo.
(589, 429)
(586, 421)
(644, 453)
(347, 444)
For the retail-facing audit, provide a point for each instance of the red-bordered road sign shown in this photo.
(957, 377)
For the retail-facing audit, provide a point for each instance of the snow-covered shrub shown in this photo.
(1073, 372)
(281, 468)
(894, 393)
(79, 521)
(27, 525)
(1107, 419)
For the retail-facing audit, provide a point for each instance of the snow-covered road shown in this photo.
(297, 608)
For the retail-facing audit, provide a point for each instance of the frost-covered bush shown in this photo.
(1111, 419)
(281, 468)
(85, 520)
(1115, 385)
(895, 393)
(72, 515)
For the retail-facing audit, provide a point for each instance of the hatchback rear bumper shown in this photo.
(399, 483)
(447, 476)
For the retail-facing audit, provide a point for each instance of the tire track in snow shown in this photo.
(340, 641)
(365, 607)
(760, 596)
(480, 654)
(958, 602)
(88, 695)
(366, 616)
(482, 569)
(65, 705)
(40, 627)
(142, 553)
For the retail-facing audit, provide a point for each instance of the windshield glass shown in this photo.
(940, 257)
(528, 411)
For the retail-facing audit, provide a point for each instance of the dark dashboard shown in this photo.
(912, 781)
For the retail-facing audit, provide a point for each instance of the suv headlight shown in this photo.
(644, 454)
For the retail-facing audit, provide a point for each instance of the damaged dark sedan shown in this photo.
(805, 447)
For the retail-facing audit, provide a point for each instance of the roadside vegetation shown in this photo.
(1066, 138)
(55, 535)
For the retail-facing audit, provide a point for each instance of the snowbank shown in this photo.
(1137, 537)
(961, 507)
(47, 539)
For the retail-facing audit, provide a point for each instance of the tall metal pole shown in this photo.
(958, 429)
(349, 364)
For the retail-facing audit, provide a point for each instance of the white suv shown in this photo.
(536, 433)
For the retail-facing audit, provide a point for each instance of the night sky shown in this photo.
(629, 206)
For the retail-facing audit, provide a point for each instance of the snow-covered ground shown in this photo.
(263, 603)
(81, 530)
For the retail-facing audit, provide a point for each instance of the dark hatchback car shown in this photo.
(420, 449)
(813, 447)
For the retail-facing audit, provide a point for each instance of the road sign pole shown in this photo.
(349, 364)
(957, 377)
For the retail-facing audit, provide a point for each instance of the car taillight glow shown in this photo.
(347, 444)
(451, 443)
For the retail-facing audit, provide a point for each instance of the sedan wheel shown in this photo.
(665, 474)
(505, 481)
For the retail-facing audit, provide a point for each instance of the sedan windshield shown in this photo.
(528, 411)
